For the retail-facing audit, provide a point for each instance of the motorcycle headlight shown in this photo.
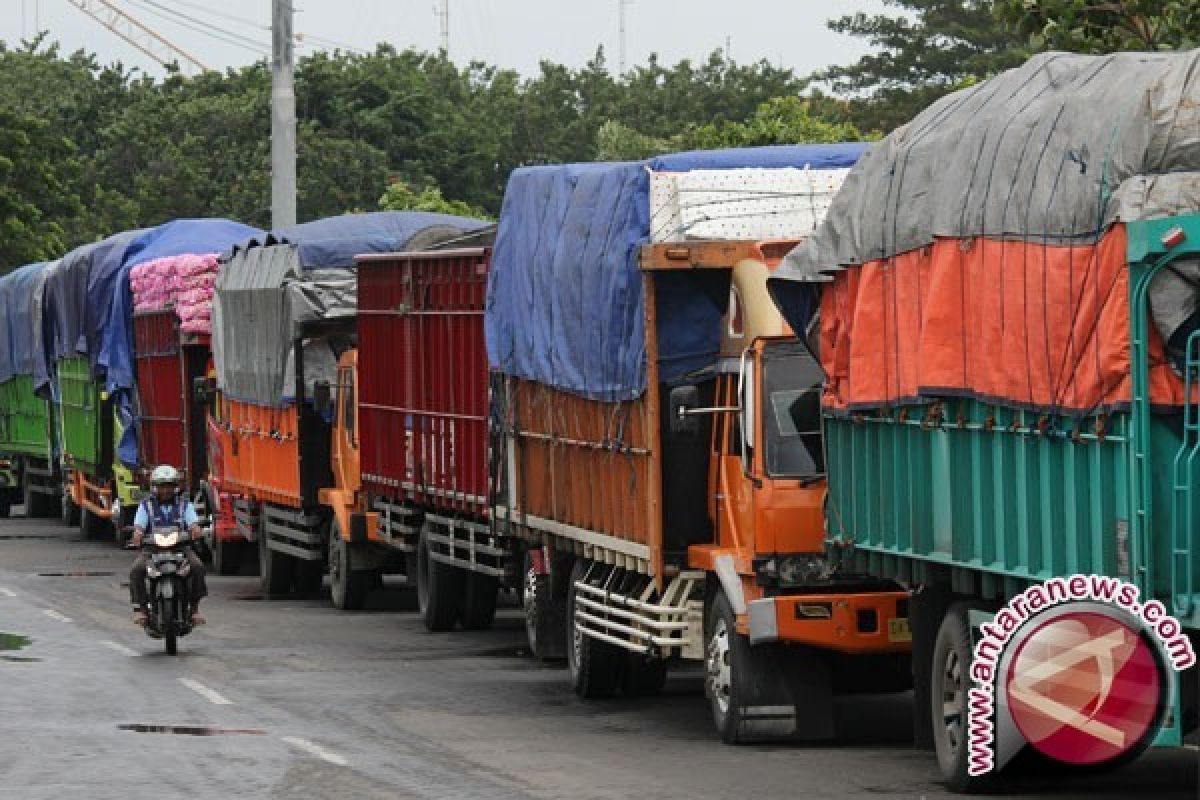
(166, 539)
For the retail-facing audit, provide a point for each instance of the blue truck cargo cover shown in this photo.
(20, 314)
(565, 301)
(78, 298)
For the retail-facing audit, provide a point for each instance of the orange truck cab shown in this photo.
(766, 491)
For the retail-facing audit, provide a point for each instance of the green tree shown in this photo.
(400, 196)
(37, 169)
(1104, 26)
(781, 120)
(928, 50)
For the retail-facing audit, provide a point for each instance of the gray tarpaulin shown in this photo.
(1054, 151)
(268, 291)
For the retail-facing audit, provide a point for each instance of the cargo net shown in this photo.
(740, 204)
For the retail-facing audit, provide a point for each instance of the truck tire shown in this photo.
(645, 676)
(92, 526)
(37, 504)
(440, 587)
(275, 569)
(307, 577)
(479, 601)
(68, 511)
(596, 668)
(226, 556)
(747, 687)
(128, 514)
(348, 588)
(948, 701)
(545, 613)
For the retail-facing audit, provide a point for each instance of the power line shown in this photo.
(201, 26)
(224, 15)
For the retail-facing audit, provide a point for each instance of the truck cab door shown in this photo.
(346, 462)
(735, 481)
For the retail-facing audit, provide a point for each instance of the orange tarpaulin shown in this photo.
(1011, 322)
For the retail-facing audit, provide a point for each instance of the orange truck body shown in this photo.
(596, 478)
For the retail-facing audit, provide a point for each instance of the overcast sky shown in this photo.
(511, 33)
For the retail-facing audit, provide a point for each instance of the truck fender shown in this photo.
(731, 583)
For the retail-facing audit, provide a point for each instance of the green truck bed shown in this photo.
(87, 431)
(24, 420)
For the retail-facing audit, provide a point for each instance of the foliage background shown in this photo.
(88, 149)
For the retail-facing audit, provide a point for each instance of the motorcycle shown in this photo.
(167, 570)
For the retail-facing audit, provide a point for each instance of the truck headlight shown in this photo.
(802, 569)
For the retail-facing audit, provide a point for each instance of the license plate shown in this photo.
(898, 630)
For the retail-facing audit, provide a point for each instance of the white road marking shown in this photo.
(315, 750)
(208, 694)
(52, 614)
(7, 592)
(120, 648)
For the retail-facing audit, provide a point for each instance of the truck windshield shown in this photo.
(791, 410)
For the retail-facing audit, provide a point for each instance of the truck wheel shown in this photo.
(128, 514)
(439, 587)
(479, 601)
(949, 700)
(36, 503)
(596, 668)
(747, 687)
(307, 577)
(348, 588)
(226, 556)
(645, 676)
(68, 511)
(92, 526)
(545, 614)
(274, 568)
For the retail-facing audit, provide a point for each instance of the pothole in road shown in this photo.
(77, 573)
(190, 730)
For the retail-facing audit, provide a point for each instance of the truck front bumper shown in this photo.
(870, 622)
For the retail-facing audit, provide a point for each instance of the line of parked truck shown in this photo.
(619, 404)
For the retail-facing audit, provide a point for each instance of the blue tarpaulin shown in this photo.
(116, 358)
(565, 302)
(20, 300)
(78, 296)
(298, 275)
(333, 242)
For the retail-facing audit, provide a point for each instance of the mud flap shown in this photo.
(789, 696)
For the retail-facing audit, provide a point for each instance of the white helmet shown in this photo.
(164, 474)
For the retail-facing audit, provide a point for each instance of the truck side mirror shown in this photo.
(322, 397)
(683, 400)
(200, 390)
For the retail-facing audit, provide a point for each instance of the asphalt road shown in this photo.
(294, 699)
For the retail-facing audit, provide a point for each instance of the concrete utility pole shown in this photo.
(283, 116)
(443, 12)
(621, 25)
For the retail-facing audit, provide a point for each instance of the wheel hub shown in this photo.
(952, 697)
(719, 672)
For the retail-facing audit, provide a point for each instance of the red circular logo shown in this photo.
(1085, 687)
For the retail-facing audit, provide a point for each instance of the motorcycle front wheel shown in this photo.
(170, 625)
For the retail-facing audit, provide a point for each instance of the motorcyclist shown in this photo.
(165, 508)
